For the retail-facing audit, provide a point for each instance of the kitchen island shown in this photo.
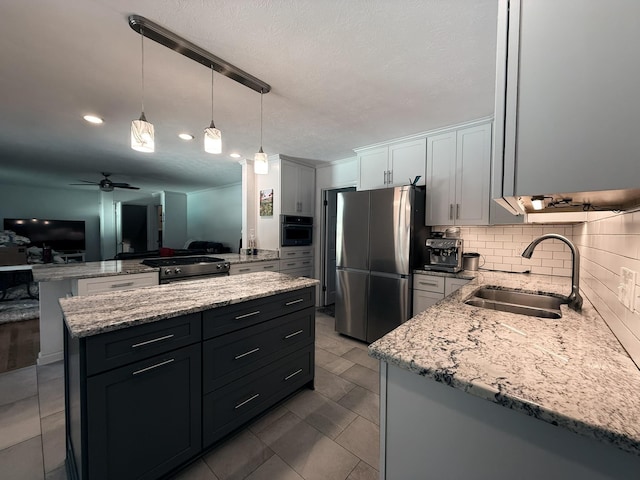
(155, 376)
(468, 392)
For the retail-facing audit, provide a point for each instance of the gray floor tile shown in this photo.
(362, 438)
(198, 470)
(18, 384)
(19, 421)
(311, 454)
(331, 362)
(363, 376)
(363, 471)
(22, 461)
(263, 422)
(325, 329)
(51, 395)
(321, 413)
(361, 357)
(238, 456)
(324, 319)
(363, 402)
(274, 469)
(53, 442)
(50, 371)
(333, 344)
(59, 473)
(330, 385)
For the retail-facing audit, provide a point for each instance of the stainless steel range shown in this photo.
(175, 269)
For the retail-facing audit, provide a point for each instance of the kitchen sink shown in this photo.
(513, 301)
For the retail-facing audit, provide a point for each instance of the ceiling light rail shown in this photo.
(170, 40)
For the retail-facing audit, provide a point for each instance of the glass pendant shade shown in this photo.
(142, 135)
(212, 139)
(260, 163)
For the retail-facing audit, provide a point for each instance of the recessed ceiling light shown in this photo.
(186, 136)
(93, 119)
(234, 155)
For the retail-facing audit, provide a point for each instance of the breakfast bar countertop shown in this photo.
(571, 372)
(91, 315)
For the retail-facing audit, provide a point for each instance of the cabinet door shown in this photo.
(441, 159)
(144, 419)
(373, 168)
(289, 188)
(473, 173)
(306, 190)
(453, 284)
(423, 300)
(406, 161)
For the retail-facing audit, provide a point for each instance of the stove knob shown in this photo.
(167, 271)
(178, 270)
(219, 266)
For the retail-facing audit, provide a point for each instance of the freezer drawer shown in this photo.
(351, 303)
(389, 304)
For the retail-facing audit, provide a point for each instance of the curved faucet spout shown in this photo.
(574, 299)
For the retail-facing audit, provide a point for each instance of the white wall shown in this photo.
(215, 215)
(268, 228)
(55, 204)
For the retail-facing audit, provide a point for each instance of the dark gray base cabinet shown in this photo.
(144, 401)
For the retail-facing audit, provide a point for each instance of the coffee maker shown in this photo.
(444, 254)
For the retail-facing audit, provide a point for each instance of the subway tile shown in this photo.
(552, 263)
(504, 238)
(494, 230)
(542, 270)
(563, 255)
(531, 262)
(513, 260)
(475, 244)
(513, 230)
(486, 238)
(494, 244)
(501, 252)
(561, 272)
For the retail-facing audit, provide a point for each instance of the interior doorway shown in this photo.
(134, 227)
(330, 202)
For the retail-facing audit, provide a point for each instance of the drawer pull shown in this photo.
(159, 339)
(244, 269)
(307, 262)
(120, 285)
(269, 266)
(432, 284)
(293, 374)
(240, 317)
(247, 353)
(247, 400)
(291, 253)
(142, 370)
(293, 302)
(291, 264)
(293, 334)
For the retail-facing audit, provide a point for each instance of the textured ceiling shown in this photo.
(343, 75)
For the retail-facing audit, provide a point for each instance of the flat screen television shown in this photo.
(60, 235)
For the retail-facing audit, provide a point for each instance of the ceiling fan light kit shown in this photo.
(212, 135)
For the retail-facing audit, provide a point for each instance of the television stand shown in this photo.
(74, 257)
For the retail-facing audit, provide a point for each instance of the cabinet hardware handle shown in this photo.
(291, 253)
(385, 177)
(266, 267)
(291, 264)
(390, 177)
(307, 262)
(247, 401)
(433, 284)
(293, 302)
(293, 334)
(457, 211)
(240, 317)
(159, 339)
(244, 269)
(451, 211)
(142, 370)
(120, 285)
(293, 374)
(247, 353)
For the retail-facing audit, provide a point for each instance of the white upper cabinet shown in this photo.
(459, 176)
(392, 165)
(567, 89)
(297, 189)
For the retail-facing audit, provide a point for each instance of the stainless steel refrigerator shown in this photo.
(380, 239)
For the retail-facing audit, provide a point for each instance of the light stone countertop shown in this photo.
(571, 372)
(64, 271)
(91, 315)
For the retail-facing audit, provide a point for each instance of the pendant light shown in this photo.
(212, 136)
(260, 160)
(142, 134)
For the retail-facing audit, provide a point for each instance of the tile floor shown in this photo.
(328, 433)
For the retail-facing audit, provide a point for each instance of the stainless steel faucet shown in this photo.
(574, 299)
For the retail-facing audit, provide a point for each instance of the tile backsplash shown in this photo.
(501, 248)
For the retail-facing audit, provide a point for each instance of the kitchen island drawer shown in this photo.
(228, 408)
(114, 283)
(114, 349)
(219, 321)
(234, 355)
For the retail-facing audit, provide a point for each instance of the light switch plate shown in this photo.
(627, 288)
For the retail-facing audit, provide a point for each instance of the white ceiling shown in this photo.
(343, 74)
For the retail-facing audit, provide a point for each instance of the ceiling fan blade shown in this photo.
(86, 183)
(126, 186)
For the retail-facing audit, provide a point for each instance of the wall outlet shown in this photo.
(627, 288)
(637, 307)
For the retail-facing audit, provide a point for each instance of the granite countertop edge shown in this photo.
(399, 347)
(92, 315)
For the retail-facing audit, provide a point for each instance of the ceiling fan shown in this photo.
(105, 184)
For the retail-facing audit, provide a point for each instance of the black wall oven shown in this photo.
(295, 230)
